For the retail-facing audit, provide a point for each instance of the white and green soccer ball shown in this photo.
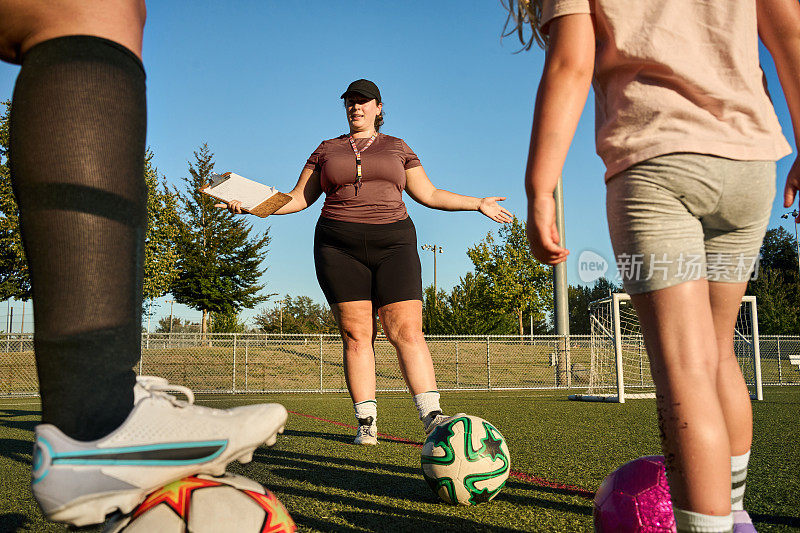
(465, 460)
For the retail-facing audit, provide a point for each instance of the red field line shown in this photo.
(516, 474)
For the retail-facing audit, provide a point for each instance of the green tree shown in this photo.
(467, 310)
(160, 243)
(227, 323)
(436, 312)
(178, 325)
(779, 251)
(516, 282)
(776, 284)
(219, 263)
(579, 298)
(14, 279)
(296, 315)
(777, 303)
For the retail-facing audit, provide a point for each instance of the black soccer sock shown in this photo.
(77, 140)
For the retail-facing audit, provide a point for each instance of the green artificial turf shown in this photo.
(560, 452)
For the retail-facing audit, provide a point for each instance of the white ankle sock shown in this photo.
(691, 522)
(427, 402)
(738, 478)
(365, 410)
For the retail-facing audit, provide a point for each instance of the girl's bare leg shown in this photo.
(679, 331)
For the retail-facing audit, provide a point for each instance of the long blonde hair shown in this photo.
(522, 13)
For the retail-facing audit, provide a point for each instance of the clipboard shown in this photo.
(256, 198)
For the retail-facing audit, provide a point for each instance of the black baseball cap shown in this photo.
(364, 88)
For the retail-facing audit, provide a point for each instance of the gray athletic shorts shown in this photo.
(683, 216)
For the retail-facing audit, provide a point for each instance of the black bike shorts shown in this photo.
(376, 262)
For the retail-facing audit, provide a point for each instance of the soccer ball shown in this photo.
(465, 460)
(635, 498)
(206, 504)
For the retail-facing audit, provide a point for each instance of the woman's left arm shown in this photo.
(420, 188)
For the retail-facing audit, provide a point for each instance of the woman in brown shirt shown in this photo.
(365, 250)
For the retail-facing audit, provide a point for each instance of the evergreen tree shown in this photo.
(776, 285)
(160, 243)
(436, 312)
(219, 263)
(777, 303)
(779, 251)
(14, 279)
(580, 297)
(516, 282)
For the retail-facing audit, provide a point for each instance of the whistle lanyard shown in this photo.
(358, 158)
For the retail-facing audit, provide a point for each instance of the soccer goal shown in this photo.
(619, 368)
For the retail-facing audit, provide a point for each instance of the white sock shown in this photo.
(427, 402)
(366, 410)
(738, 478)
(691, 522)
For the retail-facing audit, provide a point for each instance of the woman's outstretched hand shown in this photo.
(543, 233)
(493, 210)
(234, 206)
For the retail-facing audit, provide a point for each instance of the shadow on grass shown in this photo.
(304, 458)
(392, 481)
(12, 521)
(373, 516)
(531, 485)
(27, 425)
(16, 450)
(335, 437)
(793, 521)
(366, 477)
(351, 463)
(527, 500)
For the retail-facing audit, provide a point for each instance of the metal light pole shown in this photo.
(560, 292)
(171, 302)
(282, 302)
(794, 215)
(435, 249)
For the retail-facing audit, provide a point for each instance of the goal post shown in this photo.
(619, 368)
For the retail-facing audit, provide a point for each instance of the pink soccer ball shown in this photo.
(635, 498)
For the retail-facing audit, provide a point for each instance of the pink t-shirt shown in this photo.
(383, 177)
(677, 76)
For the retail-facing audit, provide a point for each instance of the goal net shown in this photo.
(618, 365)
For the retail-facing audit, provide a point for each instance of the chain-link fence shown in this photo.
(303, 363)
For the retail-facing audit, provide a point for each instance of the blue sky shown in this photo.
(260, 83)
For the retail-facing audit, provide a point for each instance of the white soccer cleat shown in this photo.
(434, 418)
(162, 440)
(367, 433)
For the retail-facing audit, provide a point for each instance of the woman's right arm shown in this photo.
(779, 29)
(305, 193)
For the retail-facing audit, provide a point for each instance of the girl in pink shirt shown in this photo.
(689, 138)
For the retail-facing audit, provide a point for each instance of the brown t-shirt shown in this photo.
(383, 178)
